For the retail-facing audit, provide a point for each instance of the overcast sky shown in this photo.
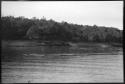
(101, 13)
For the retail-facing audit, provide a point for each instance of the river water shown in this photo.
(44, 64)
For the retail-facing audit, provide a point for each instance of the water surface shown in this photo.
(39, 64)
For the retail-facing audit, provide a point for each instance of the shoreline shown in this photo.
(58, 43)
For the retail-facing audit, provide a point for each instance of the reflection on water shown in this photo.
(61, 64)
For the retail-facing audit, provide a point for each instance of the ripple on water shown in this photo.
(63, 67)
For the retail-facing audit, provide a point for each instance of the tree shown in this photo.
(42, 29)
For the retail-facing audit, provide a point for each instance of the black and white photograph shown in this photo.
(62, 42)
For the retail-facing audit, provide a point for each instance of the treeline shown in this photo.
(14, 28)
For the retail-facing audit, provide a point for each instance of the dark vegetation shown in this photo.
(20, 28)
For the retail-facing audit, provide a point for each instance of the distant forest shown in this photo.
(20, 28)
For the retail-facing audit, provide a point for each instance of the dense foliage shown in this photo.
(42, 29)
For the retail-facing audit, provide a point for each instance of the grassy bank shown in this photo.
(57, 43)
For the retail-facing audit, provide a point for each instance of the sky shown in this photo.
(100, 13)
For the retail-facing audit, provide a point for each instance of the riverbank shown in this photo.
(23, 43)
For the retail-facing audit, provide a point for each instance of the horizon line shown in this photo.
(43, 17)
